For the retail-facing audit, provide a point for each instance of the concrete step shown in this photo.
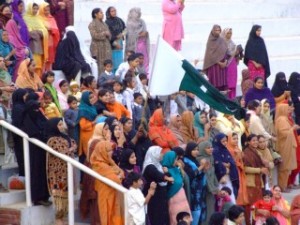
(12, 197)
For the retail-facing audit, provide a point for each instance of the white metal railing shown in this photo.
(70, 162)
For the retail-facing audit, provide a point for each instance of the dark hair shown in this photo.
(276, 186)
(212, 114)
(127, 81)
(32, 96)
(46, 75)
(290, 103)
(182, 223)
(267, 101)
(139, 54)
(272, 221)
(133, 177)
(258, 78)
(234, 212)
(180, 216)
(107, 61)
(34, 4)
(47, 94)
(143, 76)
(20, 2)
(62, 83)
(88, 81)
(95, 11)
(234, 134)
(102, 92)
(226, 189)
(136, 95)
(132, 57)
(179, 151)
(267, 193)
(250, 137)
(71, 99)
(130, 52)
(253, 104)
(217, 218)
(30, 61)
(247, 117)
(4, 5)
(1, 92)
(260, 136)
(118, 82)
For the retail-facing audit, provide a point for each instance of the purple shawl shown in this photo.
(260, 94)
(20, 21)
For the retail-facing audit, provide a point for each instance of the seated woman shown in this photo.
(7, 51)
(282, 207)
(5, 15)
(27, 78)
(38, 37)
(5, 83)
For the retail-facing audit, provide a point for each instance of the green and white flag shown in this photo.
(172, 73)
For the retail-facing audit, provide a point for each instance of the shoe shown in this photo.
(44, 203)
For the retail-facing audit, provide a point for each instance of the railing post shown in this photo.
(71, 193)
(27, 171)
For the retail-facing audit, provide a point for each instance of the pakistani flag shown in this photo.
(172, 73)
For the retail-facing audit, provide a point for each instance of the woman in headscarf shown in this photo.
(117, 30)
(172, 30)
(206, 152)
(18, 10)
(237, 155)
(159, 133)
(198, 182)
(177, 200)
(294, 84)
(57, 171)
(17, 116)
(20, 47)
(109, 200)
(215, 61)
(225, 167)
(246, 83)
(53, 33)
(100, 46)
(188, 131)
(34, 126)
(200, 121)
(232, 62)
(69, 58)
(87, 117)
(27, 78)
(88, 199)
(62, 87)
(282, 207)
(260, 92)
(256, 56)
(255, 170)
(280, 89)
(137, 36)
(175, 126)
(7, 51)
(286, 144)
(5, 15)
(295, 210)
(153, 172)
(39, 38)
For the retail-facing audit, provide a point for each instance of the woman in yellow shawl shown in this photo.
(38, 36)
(53, 33)
(109, 200)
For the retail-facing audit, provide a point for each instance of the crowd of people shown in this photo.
(180, 159)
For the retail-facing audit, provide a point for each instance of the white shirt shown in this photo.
(136, 207)
(119, 98)
(129, 99)
(173, 107)
(122, 70)
(256, 126)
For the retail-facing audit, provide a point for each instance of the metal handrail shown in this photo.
(70, 163)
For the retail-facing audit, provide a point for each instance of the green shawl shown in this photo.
(53, 92)
(198, 125)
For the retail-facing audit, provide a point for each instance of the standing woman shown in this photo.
(137, 37)
(18, 10)
(256, 55)
(172, 30)
(100, 46)
(53, 33)
(117, 29)
(188, 131)
(232, 62)
(109, 200)
(280, 89)
(5, 15)
(39, 38)
(294, 84)
(57, 168)
(215, 61)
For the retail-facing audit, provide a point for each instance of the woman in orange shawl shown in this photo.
(188, 132)
(27, 78)
(159, 133)
(285, 144)
(237, 155)
(53, 33)
(109, 200)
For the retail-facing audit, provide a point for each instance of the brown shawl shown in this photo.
(176, 130)
(247, 83)
(216, 49)
(187, 128)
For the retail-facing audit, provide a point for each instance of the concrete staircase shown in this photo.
(279, 20)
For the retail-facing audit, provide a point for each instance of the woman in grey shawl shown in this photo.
(205, 152)
(137, 37)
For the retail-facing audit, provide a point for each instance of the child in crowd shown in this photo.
(123, 67)
(118, 88)
(107, 78)
(133, 62)
(48, 79)
(223, 198)
(117, 108)
(130, 84)
(184, 217)
(136, 200)
(71, 115)
(49, 107)
(103, 99)
(138, 108)
(62, 88)
(141, 67)
(266, 204)
(143, 83)
(75, 90)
